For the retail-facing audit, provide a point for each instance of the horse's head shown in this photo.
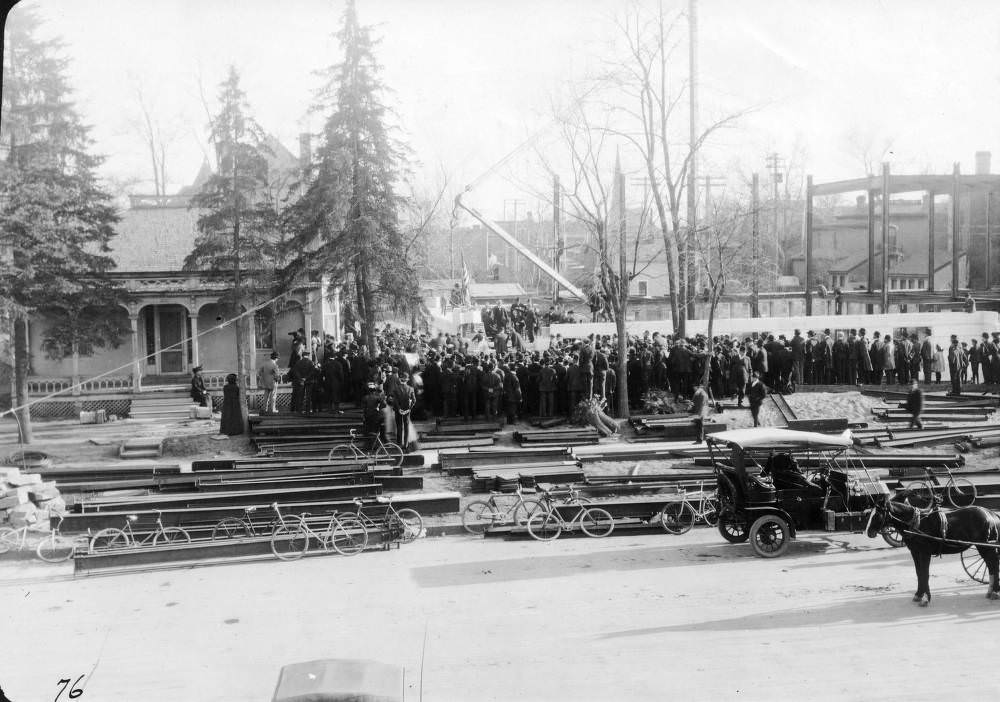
(886, 512)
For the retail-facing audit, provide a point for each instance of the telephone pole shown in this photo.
(687, 299)
(556, 234)
(775, 164)
(755, 247)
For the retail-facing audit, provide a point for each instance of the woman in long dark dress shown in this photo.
(232, 422)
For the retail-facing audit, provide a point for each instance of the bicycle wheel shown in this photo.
(348, 538)
(961, 492)
(479, 516)
(342, 452)
(231, 528)
(9, 539)
(290, 542)
(393, 453)
(920, 495)
(597, 522)
(172, 535)
(526, 510)
(55, 548)
(109, 539)
(545, 526)
(975, 566)
(413, 524)
(711, 513)
(677, 518)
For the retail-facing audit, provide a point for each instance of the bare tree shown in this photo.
(868, 146)
(157, 137)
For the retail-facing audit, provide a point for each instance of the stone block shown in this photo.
(24, 479)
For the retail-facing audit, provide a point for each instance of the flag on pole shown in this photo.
(466, 284)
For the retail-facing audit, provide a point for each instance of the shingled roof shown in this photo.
(154, 239)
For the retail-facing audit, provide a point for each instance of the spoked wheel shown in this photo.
(770, 536)
(975, 566)
(8, 539)
(343, 452)
(290, 543)
(961, 492)
(892, 536)
(391, 453)
(348, 538)
(479, 516)
(677, 518)
(172, 535)
(109, 539)
(412, 524)
(231, 528)
(920, 495)
(733, 528)
(55, 548)
(545, 526)
(526, 510)
(597, 522)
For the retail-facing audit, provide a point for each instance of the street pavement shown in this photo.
(652, 617)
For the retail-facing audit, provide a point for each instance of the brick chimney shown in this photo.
(982, 163)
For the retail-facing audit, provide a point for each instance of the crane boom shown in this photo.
(521, 249)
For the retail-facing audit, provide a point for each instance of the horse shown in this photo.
(938, 532)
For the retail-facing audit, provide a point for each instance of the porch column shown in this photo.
(252, 350)
(307, 323)
(75, 379)
(133, 320)
(193, 316)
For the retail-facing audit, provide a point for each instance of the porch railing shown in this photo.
(104, 384)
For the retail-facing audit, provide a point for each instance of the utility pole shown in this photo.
(774, 164)
(755, 247)
(556, 235)
(623, 282)
(687, 299)
(241, 361)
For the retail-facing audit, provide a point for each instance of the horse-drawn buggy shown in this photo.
(774, 482)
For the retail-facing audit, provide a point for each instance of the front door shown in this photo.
(170, 327)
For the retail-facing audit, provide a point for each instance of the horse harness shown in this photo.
(913, 529)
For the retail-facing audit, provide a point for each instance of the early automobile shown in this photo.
(774, 482)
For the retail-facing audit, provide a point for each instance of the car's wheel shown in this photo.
(733, 528)
(770, 536)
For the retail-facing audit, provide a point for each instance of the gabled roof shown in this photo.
(154, 239)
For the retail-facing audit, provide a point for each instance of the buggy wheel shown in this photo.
(975, 566)
(597, 522)
(961, 492)
(172, 535)
(343, 452)
(109, 539)
(733, 528)
(348, 538)
(412, 524)
(677, 518)
(231, 528)
(769, 536)
(290, 542)
(892, 536)
(526, 510)
(479, 516)
(920, 495)
(391, 452)
(545, 526)
(711, 513)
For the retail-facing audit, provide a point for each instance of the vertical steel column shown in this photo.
(930, 241)
(885, 238)
(955, 225)
(989, 242)
(809, 243)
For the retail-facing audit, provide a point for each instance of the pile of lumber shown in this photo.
(462, 462)
(506, 478)
(667, 427)
(28, 500)
(558, 437)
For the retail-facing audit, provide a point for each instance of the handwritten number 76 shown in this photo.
(74, 691)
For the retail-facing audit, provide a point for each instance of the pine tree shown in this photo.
(345, 224)
(237, 220)
(56, 222)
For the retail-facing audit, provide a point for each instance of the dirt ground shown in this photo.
(623, 618)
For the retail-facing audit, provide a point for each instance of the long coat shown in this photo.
(231, 423)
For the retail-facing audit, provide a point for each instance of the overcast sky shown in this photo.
(472, 78)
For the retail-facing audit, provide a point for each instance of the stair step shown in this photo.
(139, 454)
(164, 412)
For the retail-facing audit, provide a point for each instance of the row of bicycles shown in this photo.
(547, 513)
(292, 536)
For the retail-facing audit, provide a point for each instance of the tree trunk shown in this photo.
(241, 369)
(623, 400)
(21, 367)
